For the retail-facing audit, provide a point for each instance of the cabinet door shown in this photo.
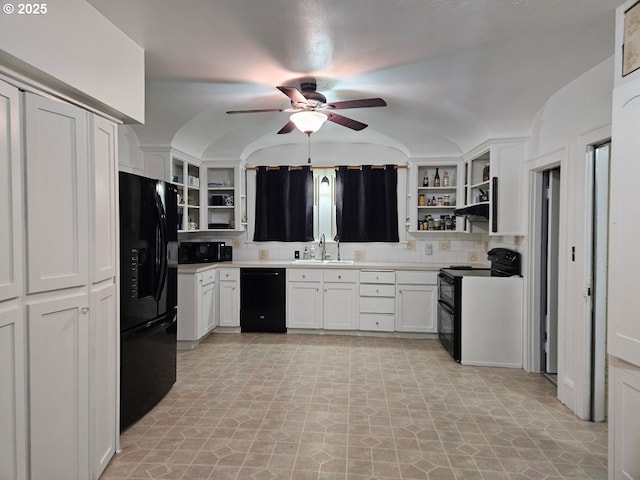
(57, 199)
(12, 395)
(104, 337)
(340, 306)
(507, 215)
(207, 318)
(11, 187)
(229, 315)
(304, 305)
(58, 342)
(417, 308)
(103, 194)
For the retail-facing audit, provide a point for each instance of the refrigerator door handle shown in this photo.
(161, 246)
(150, 328)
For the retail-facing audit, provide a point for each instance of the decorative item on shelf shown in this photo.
(244, 217)
(436, 179)
(445, 179)
(448, 223)
(177, 178)
(434, 202)
(421, 200)
(428, 202)
(446, 200)
(436, 224)
(440, 201)
(192, 226)
(485, 173)
(228, 200)
(425, 180)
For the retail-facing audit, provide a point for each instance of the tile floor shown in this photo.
(265, 406)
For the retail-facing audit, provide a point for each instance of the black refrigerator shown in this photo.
(148, 294)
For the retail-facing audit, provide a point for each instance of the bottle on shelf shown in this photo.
(305, 254)
(436, 179)
(445, 179)
(421, 200)
(485, 173)
(425, 180)
(312, 252)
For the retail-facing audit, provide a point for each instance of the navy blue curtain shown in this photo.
(284, 204)
(367, 204)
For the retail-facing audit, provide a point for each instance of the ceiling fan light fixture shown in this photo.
(308, 121)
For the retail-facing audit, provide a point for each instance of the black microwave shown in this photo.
(204, 252)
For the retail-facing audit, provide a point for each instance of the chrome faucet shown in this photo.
(337, 239)
(323, 247)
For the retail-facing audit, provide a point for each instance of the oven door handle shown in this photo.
(446, 307)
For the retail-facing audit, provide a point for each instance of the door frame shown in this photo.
(532, 339)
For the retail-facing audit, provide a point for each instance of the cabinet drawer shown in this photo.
(337, 276)
(207, 277)
(377, 305)
(372, 290)
(229, 273)
(305, 275)
(377, 322)
(417, 278)
(371, 276)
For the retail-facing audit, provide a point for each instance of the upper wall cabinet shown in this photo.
(494, 178)
(11, 203)
(224, 196)
(435, 187)
(186, 176)
(57, 194)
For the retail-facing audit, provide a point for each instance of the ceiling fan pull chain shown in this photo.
(309, 148)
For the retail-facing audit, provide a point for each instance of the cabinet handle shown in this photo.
(84, 310)
(377, 323)
(304, 276)
(339, 276)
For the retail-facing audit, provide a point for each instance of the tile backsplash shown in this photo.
(456, 248)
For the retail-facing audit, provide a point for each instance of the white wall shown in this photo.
(573, 118)
(75, 50)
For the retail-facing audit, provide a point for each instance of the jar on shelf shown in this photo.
(421, 200)
(425, 180)
(440, 201)
(446, 201)
(445, 179)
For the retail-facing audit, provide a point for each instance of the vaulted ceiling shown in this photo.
(453, 72)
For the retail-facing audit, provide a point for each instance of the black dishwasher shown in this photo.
(262, 300)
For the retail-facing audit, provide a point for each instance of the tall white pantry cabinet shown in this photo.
(58, 298)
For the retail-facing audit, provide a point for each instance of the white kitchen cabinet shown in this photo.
(340, 300)
(495, 170)
(11, 218)
(229, 295)
(304, 298)
(223, 198)
(624, 436)
(416, 299)
(58, 341)
(186, 176)
(104, 336)
(103, 167)
(57, 215)
(431, 201)
(12, 393)
(377, 301)
(196, 306)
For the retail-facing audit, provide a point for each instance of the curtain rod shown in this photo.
(350, 167)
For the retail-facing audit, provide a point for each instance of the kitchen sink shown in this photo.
(339, 262)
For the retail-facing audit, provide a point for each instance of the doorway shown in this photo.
(549, 241)
(598, 189)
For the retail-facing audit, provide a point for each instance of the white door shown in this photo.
(229, 304)
(57, 199)
(11, 218)
(304, 305)
(417, 308)
(104, 339)
(12, 394)
(340, 306)
(58, 343)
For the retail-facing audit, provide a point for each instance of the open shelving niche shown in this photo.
(226, 203)
(437, 195)
(186, 176)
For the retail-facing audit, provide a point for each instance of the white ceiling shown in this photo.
(453, 72)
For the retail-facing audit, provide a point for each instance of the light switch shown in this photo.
(428, 249)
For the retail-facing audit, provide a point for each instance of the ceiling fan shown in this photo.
(310, 109)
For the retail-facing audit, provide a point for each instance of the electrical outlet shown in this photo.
(428, 249)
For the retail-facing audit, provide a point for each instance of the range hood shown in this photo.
(478, 212)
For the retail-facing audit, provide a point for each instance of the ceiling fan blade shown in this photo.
(288, 128)
(346, 122)
(365, 102)
(293, 93)
(258, 111)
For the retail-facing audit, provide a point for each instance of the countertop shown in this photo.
(202, 267)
